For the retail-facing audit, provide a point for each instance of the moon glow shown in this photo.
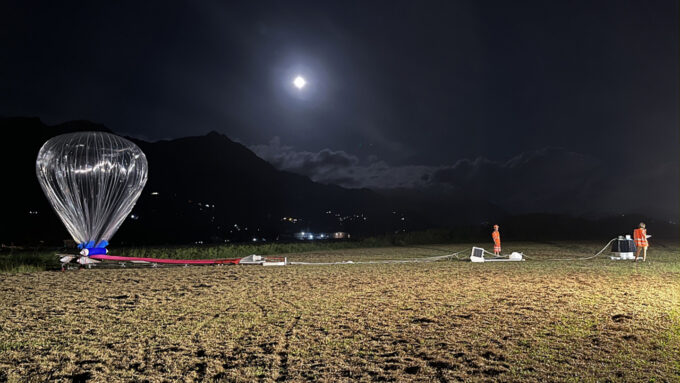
(299, 82)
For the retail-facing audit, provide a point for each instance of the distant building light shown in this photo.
(254, 239)
(154, 193)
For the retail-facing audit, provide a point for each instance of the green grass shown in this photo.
(235, 251)
(28, 261)
(24, 261)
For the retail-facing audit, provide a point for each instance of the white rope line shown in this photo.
(580, 258)
(408, 260)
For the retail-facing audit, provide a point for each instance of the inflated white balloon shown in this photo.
(92, 180)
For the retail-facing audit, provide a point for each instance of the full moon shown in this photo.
(299, 82)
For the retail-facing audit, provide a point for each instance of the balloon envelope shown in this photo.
(92, 180)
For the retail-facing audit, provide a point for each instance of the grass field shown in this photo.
(538, 320)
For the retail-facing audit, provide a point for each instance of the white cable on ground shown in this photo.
(581, 258)
(452, 255)
(408, 260)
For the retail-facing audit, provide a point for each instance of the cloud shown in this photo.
(316, 165)
(341, 168)
(545, 180)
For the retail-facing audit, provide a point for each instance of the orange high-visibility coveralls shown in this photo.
(640, 236)
(496, 241)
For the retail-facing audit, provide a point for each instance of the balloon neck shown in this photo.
(91, 244)
(93, 251)
(89, 248)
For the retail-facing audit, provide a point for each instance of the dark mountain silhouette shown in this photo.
(220, 188)
(211, 189)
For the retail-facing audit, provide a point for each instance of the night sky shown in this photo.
(399, 94)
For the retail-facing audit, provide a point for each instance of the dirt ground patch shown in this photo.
(444, 321)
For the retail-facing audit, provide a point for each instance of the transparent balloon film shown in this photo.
(92, 180)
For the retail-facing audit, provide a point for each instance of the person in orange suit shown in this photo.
(496, 235)
(640, 237)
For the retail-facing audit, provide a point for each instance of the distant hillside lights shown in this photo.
(235, 228)
(353, 217)
(200, 205)
(304, 236)
(309, 236)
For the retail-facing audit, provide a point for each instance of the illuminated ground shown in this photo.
(446, 321)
